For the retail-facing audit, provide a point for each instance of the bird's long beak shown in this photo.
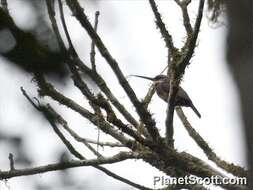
(144, 77)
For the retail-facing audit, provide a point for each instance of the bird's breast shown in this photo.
(162, 90)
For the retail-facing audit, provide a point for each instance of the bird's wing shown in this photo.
(182, 98)
(181, 93)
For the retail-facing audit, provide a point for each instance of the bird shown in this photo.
(162, 88)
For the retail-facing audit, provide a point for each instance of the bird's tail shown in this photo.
(195, 110)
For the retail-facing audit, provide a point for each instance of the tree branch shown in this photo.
(145, 116)
(68, 164)
(51, 13)
(92, 52)
(191, 41)
(47, 89)
(65, 28)
(100, 82)
(181, 160)
(95, 103)
(160, 24)
(228, 167)
(176, 69)
(186, 19)
(81, 139)
(75, 152)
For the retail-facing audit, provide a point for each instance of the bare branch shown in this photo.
(51, 13)
(81, 139)
(186, 19)
(160, 24)
(149, 95)
(109, 173)
(191, 42)
(71, 46)
(68, 164)
(92, 52)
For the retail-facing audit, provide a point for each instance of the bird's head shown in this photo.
(160, 78)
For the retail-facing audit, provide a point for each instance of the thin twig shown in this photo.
(77, 137)
(51, 13)
(71, 46)
(122, 179)
(93, 52)
(98, 139)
